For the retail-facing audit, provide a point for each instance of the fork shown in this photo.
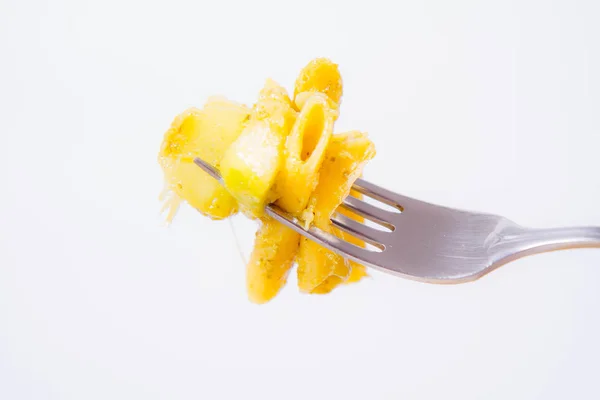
(430, 243)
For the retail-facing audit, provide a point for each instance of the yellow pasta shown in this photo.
(251, 164)
(305, 149)
(320, 270)
(280, 151)
(357, 271)
(206, 134)
(275, 248)
(320, 75)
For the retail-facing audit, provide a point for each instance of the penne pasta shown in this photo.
(320, 270)
(275, 248)
(357, 271)
(280, 151)
(205, 133)
(322, 76)
(251, 164)
(305, 150)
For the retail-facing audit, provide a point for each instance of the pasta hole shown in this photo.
(315, 123)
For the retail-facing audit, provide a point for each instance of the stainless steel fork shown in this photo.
(431, 243)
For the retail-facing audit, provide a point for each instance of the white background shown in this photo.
(483, 105)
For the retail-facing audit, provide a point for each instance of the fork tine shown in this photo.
(364, 209)
(327, 240)
(360, 207)
(361, 231)
(381, 194)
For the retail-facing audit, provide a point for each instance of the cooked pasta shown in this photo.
(205, 133)
(280, 151)
(275, 248)
(305, 149)
(320, 270)
(251, 164)
(357, 271)
(321, 76)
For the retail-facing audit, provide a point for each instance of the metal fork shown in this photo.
(431, 243)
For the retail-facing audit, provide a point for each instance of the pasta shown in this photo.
(251, 164)
(275, 248)
(320, 270)
(305, 149)
(206, 134)
(320, 76)
(280, 151)
(357, 271)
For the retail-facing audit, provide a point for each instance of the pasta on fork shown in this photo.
(282, 151)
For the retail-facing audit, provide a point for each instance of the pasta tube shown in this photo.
(251, 164)
(320, 270)
(205, 133)
(275, 248)
(305, 150)
(320, 75)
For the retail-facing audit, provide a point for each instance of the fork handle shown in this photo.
(527, 242)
